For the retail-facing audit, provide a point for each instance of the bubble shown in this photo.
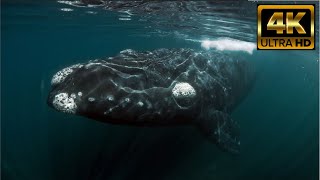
(66, 9)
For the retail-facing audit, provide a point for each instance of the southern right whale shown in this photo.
(163, 87)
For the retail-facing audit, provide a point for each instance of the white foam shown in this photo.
(66, 9)
(71, 3)
(91, 12)
(126, 12)
(124, 19)
(229, 45)
(79, 3)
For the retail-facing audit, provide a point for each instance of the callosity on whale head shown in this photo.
(158, 88)
(112, 92)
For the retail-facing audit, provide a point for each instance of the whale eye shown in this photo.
(184, 94)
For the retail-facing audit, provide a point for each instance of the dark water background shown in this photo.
(279, 118)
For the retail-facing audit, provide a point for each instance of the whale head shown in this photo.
(107, 93)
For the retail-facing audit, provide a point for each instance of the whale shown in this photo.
(162, 87)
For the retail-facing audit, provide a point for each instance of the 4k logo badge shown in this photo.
(286, 27)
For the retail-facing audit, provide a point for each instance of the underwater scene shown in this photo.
(153, 90)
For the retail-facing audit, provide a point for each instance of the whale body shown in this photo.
(164, 87)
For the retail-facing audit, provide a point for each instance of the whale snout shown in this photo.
(99, 92)
(60, 98)
(60, 76)
(63, 102)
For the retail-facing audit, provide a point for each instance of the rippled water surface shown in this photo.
(278, 119)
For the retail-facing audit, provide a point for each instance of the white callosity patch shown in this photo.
(61, 75)
(182, 90)
(73, 95)
(91, 99)
(140, 103)
(76, 66)
(64, 103)
(110, 98)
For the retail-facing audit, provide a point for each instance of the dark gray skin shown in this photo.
(164, 87)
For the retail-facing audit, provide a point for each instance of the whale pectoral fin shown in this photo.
(221, 129)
